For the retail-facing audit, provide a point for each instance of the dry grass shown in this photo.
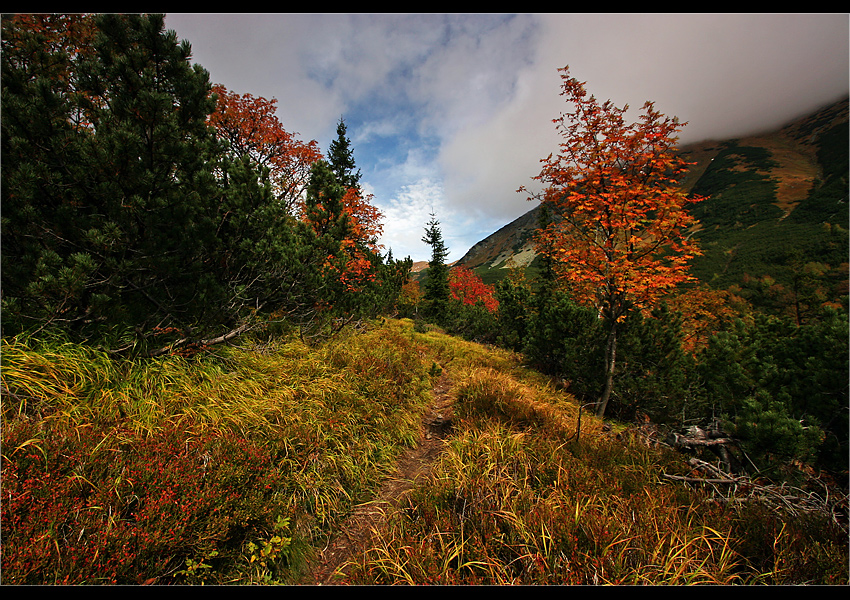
(311, 432)
(325, 422)
(516, 499)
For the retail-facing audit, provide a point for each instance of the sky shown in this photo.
(449, 114)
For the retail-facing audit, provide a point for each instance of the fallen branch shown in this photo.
(200, 343)
(700, 479)
(699, 437)
(779, 498)
(713, 439)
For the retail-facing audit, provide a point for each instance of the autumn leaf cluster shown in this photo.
(468, 288)
(619, 237)
(250, 127)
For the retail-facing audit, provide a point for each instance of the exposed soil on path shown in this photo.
(367, 520)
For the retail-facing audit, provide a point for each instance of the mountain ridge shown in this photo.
(793, 165)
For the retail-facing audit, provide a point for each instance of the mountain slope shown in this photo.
(512, 245)
(777, 205)
(778, 200)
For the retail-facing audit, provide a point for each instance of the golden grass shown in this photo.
(515, 498)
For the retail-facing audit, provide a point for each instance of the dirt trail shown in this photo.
(361, 528)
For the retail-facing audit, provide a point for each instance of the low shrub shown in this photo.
(88, 506)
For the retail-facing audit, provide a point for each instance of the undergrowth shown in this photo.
(517, 499)
(226, 468)
(236, 467)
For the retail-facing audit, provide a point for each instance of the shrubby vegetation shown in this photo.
(236, 466)
(779, 387)
(516, 499)
(767, 357)
(145, 209)
(143, 226)
(226, 467)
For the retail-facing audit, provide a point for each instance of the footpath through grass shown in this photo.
(516, 499)
(236, 467)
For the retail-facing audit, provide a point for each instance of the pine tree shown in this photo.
(128, 223)
(123, 215)
(437, 291)
(341, 158)
(107, 184)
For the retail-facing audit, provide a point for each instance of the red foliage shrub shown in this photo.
(84, 507)
(469, 288)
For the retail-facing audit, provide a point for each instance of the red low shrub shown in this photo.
(86, 507)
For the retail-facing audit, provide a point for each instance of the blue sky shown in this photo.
(451, 113)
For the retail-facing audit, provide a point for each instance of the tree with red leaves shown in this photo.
(335, 195)
(251, 129)
(469, 288)
(619, 233)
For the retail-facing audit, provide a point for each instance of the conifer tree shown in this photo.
(341, 158)
(130, 222)
(107, 181)
(357, 283)
(125, 221)
(437, 292)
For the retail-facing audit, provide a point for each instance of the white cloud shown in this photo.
(473, 72)
(453, 112)
(726, 74)
(407, 214)
(411, 208)
(486, 163)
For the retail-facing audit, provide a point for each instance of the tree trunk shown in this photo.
(610, 359)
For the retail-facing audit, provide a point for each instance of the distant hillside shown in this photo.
(420, 269)
(510, 246)
(777, 199)
(778, 211)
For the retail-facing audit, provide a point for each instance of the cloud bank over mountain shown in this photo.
(450, 114)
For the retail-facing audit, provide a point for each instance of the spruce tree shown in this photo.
(341, 158)
(437, 292)
(330, 226)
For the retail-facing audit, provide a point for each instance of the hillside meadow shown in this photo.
(238, 466)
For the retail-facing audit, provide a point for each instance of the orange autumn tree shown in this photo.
(469, 288)
(365, 218)
(249, 126)
(619, 233)
(704, 312)
(360, 245)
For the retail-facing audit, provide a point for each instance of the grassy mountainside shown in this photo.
(778, 202)
(239, 466)
(510, 245)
